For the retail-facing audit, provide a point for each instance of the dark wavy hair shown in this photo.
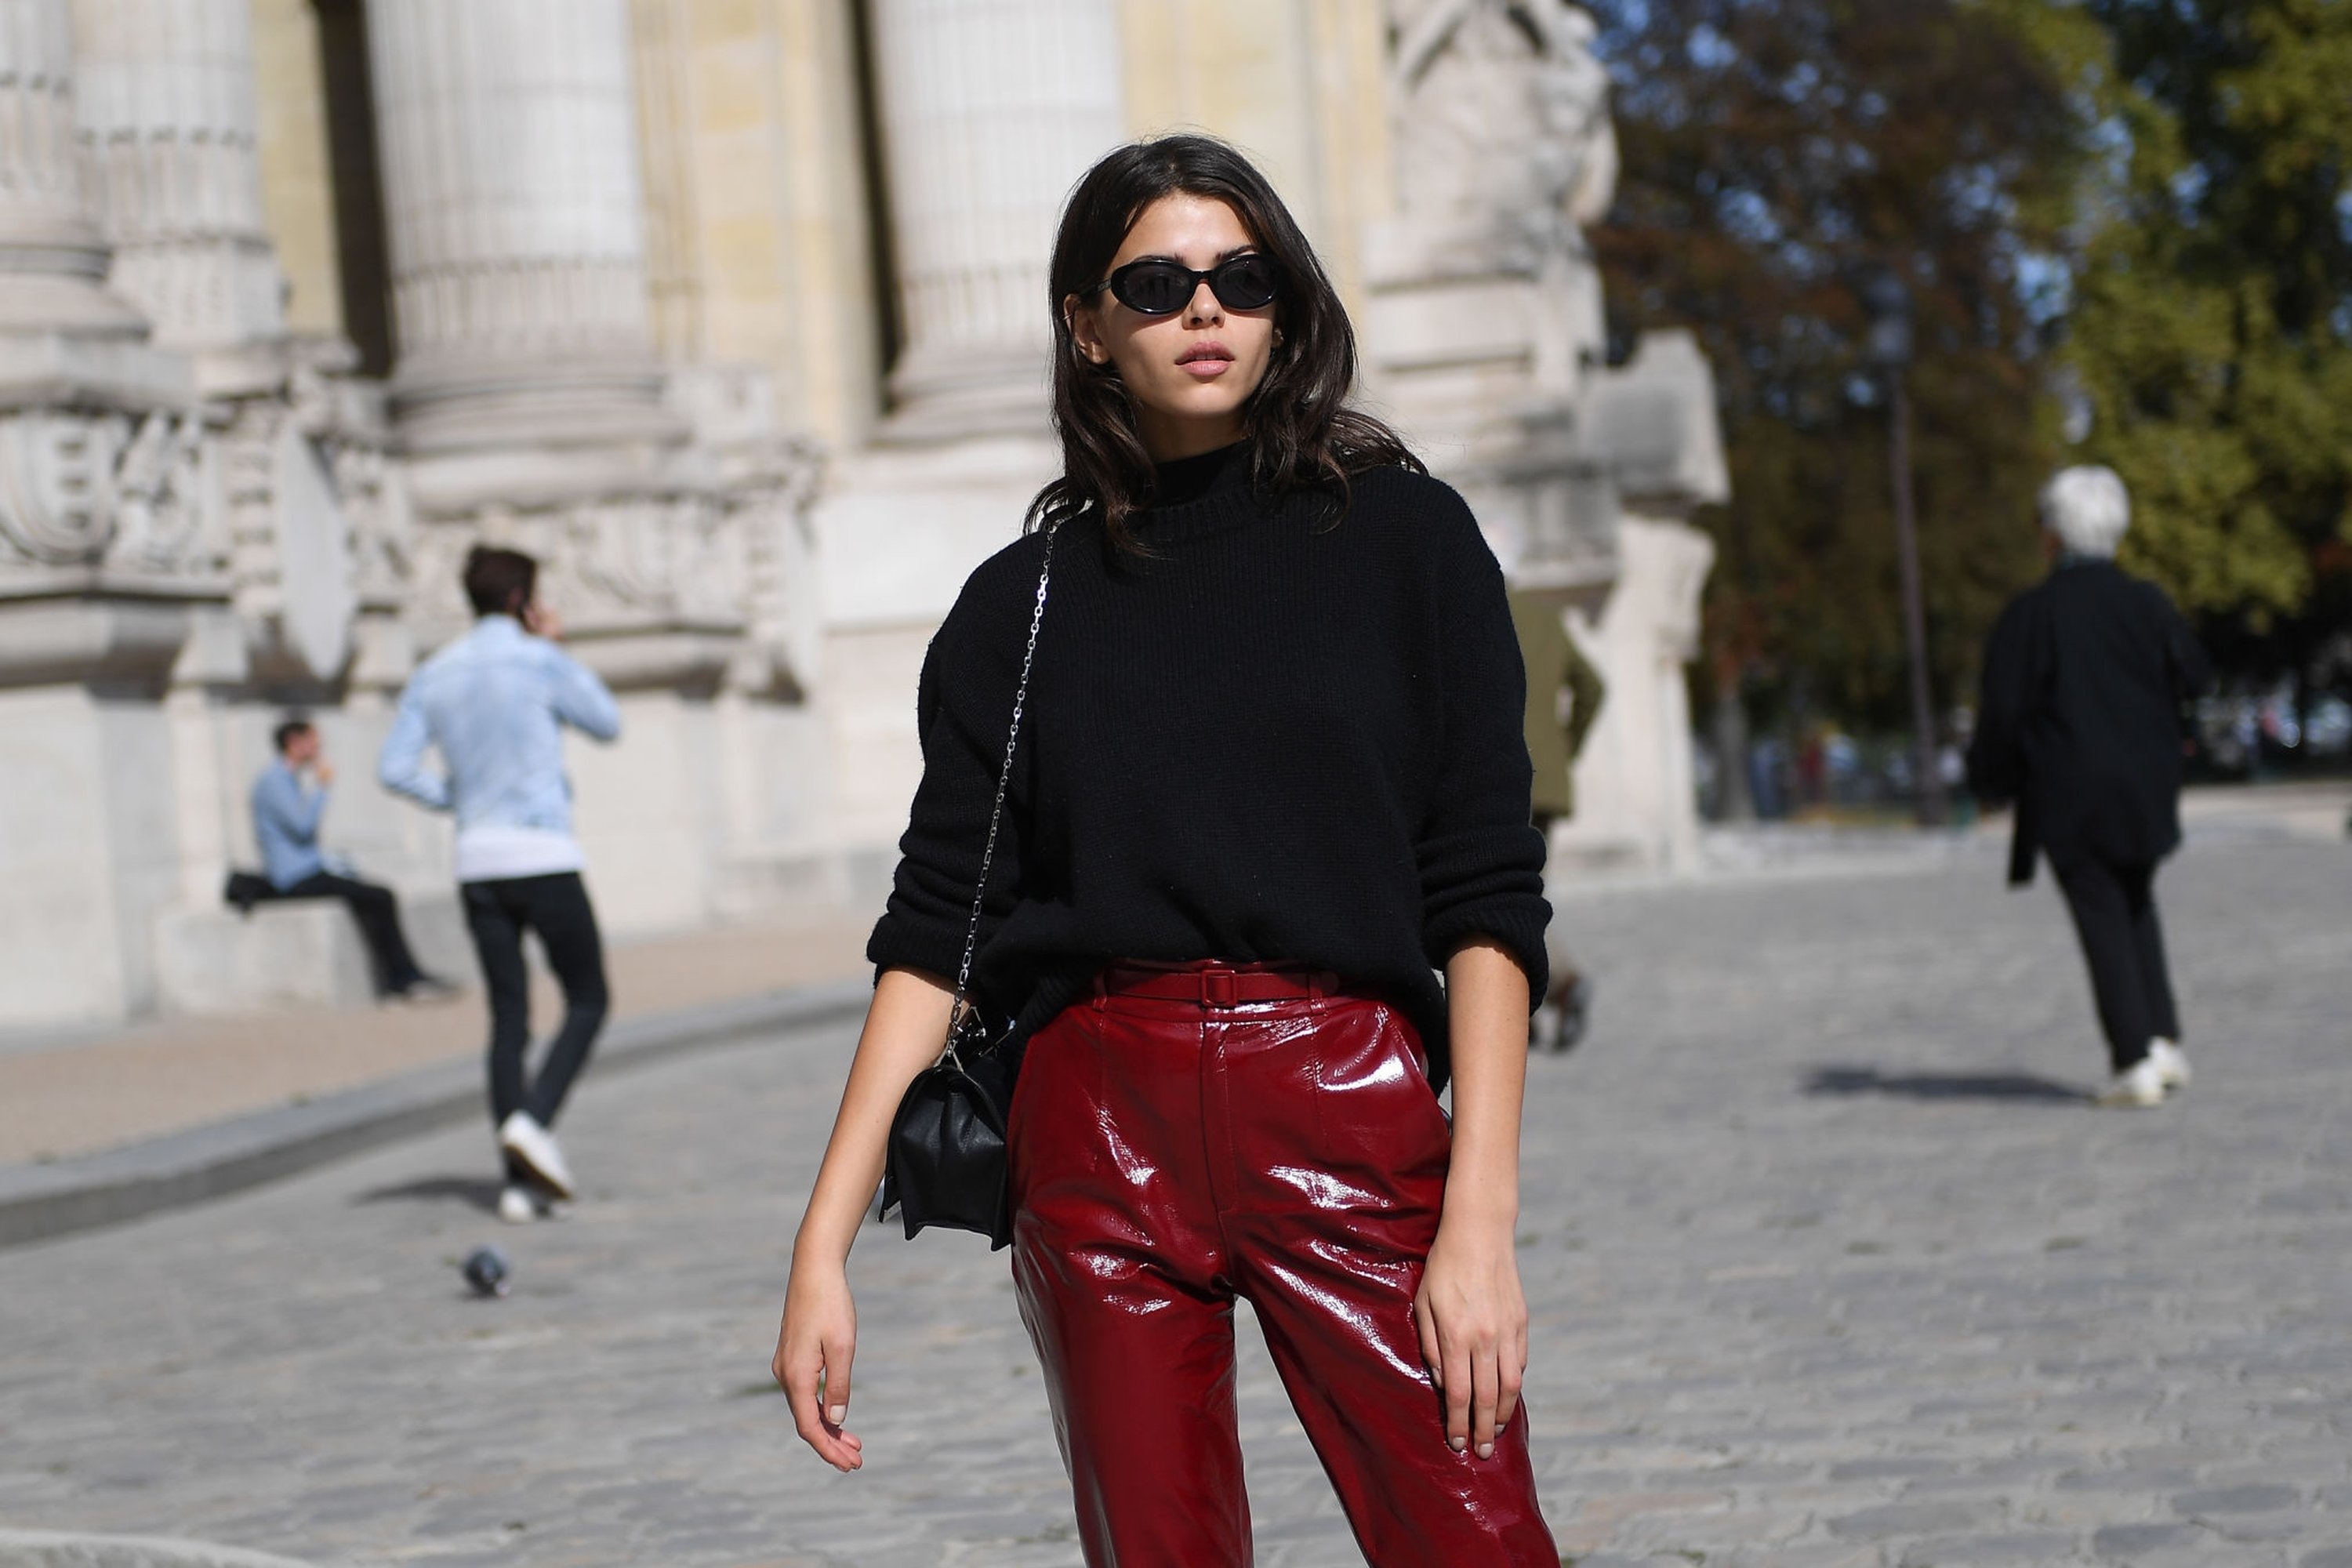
(1302, 434)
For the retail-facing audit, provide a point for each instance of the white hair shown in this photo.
(2089, 509)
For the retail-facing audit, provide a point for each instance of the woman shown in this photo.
(1271, 773)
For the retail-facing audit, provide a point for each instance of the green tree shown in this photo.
(1774, 150)
(2210, 328)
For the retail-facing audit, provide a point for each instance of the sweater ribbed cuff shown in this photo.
(900, 944)
(1518, 923)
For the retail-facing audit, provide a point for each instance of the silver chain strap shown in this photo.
(997, 812)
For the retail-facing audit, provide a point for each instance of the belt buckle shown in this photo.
(1219, 988)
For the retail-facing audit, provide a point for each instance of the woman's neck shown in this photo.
(1169, 439)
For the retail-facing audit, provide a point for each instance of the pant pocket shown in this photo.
(1376, 1119)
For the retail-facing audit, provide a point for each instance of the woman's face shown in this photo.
(1189, 373)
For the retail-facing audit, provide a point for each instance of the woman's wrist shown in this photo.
(1478, 1208)
(824, 1239)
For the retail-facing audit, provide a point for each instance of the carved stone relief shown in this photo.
(140, 493)
(728, 557)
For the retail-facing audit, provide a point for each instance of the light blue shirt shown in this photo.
(286, 825)
(495, 702)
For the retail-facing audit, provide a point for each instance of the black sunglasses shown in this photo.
(1157, 287)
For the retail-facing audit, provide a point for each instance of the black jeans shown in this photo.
(556, 907)
(2114, 914)
(376, 910)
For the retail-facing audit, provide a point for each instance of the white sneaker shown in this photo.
(522, 1136)
(2140, 1087)
(2172, 1062)
(515, 1207)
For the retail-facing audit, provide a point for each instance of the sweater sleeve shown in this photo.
(963, 711)
(1481, 859)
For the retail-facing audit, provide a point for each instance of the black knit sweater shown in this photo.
(1283, 736)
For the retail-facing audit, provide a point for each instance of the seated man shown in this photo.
(286, 825)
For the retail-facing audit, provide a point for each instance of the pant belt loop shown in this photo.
(1102, 989)
(1219, 988)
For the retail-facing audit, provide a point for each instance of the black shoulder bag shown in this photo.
(946, 1161)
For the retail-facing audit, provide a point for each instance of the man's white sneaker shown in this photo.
(516, 1206)
(522, 1136)
(2140, 1087)
(2171, 1063)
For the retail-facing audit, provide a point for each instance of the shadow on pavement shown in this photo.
(2012, 1086)
(480, 1191)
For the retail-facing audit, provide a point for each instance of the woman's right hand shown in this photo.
(813, 1350)
(819, 1337)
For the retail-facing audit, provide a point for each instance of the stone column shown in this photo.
(990, 111)
(510, 152)
(165, 98)
(52, 251)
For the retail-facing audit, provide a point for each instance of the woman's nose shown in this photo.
(1206, 309)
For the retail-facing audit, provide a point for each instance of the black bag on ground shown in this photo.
(245, 889)
(945, 1163)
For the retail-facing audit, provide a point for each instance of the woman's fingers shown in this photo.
(1448, 1362)
(838, 1354)
(1512, 1377)
(1486, 1391)
(813, 1394)
(1425, 1321)
(1461, 1384)
(800, 1374)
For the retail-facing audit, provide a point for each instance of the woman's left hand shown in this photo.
(1473, 1317)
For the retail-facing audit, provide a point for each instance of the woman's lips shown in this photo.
(1205, 362)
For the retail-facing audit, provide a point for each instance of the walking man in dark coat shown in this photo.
(2080, 725)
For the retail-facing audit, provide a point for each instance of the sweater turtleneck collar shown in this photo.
(1207, 476)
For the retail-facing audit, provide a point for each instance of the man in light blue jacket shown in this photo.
(288, 799)
(494, 703)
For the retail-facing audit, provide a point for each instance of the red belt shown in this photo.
(1214, 985)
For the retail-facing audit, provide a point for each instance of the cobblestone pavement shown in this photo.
(1831, 1269)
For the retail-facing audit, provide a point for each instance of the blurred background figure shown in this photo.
(1564, 693)
(494, 703)
(288, 800)
(2084, 680)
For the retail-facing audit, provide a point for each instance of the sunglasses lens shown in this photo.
(1245, 283)
(1152, 288)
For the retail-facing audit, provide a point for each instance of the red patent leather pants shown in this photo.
(1174, 1145)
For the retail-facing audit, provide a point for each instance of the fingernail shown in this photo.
(1458, 1443)
(1486, 1450)
(836, 1414)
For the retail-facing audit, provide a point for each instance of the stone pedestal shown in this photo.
(1636, 800)
(902, 528)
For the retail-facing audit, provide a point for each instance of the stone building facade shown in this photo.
(730, 310)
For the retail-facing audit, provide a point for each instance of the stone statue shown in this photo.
(1505, 154)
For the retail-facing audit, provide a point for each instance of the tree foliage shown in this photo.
(1774, 152)
(2210, 327)
(2128, 228)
